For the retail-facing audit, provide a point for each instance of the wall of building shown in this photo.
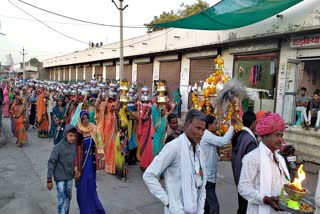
(301, 17)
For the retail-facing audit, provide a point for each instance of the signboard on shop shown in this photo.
(305, 41)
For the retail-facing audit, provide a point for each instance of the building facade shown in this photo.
(273, 58)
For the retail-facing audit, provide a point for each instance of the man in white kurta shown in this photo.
(264, 171)
(182, 164)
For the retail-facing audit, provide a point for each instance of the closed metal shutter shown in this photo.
(56, 75)
(170, 71)
(98, 72)
(73, 73)
(111, 73)
(128, 73)
(88, 74)
(145, 75)
(80, 74)
(66, 74)
(62, 74)
(200, 70)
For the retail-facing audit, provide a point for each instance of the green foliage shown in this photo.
(183, 11)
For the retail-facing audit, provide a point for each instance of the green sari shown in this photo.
(159, 124)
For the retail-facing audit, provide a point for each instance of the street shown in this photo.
(23, 183)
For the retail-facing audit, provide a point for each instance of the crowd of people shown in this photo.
(93, 130)
(110, 135)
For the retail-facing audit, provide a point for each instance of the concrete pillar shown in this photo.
(285, 53)
(156, 71)
(134, 72)
(84, 73)
(93, 71)
(228, 62)
(70, 73)
(50, 71)
(117, 71)
(104, 73)
(76, 73)
(59, 74)
(184, 82)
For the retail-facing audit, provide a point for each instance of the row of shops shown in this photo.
(272, 58)
(273, 71)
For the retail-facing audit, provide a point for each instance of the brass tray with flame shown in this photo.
(295, 202)
(306, 206)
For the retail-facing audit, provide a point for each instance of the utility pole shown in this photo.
(121, 9)
(24, 66)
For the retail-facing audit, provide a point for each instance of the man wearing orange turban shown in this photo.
(264, 171)
(260, 114)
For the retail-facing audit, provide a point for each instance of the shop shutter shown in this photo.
(88, 74)
(200, 70)
(73, 73)
(128, 73)
(80, 74)
(111, 73)
(98, 72)
(170, 71)
(145, 75)
(62, 74)
(56, 75)
(66, 74)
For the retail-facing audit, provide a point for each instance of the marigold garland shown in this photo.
(215, 83)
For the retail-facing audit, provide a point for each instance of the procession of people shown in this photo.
(95, 126)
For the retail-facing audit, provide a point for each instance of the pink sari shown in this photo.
(5, 106)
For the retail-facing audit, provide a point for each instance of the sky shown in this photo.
(23, 31)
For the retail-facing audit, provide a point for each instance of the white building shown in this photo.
(283, 50)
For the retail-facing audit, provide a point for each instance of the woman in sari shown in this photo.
(12, 101)
(134, 146)
(121, 144)
(33, 108)
(108, 127)
(145, 134)
(90, 107)
(42, 116)
(87, 150)
(6, 101)
(59, 115)
(159, 119)
(18, 113)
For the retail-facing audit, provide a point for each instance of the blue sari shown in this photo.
(56, 134)
(87, 195)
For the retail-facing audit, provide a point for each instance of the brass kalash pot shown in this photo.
(124, 87)
(161, 89)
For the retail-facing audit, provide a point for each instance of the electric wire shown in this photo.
(55, 22)
(80, 20)
(63, 34)
(78, 40)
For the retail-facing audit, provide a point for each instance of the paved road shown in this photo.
(23, 183)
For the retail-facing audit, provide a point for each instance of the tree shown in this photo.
(183, 11)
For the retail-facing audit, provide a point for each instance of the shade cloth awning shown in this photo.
(230, 14)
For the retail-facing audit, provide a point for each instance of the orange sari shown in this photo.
(42, 117)
(109, 131)
(19, 125)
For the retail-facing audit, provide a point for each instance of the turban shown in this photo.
(269, 123)
(260, 114)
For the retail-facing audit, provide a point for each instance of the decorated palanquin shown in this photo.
(223, 95)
